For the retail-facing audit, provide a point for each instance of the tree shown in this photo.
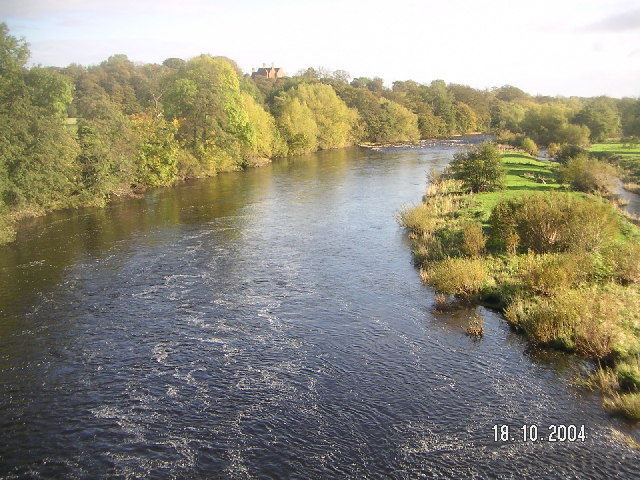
(601, 117)
(334, 119)
(156, 158)
(204, 96)
(507, 116)
(630, 116)
(299, 128)
(480, 168)
(49, 90)
(509, 93)
(549, 123)
(400, 124)
(38, 165)
(109, 148)
(312, 116)
(443, 104)
(268, 141)
(466, 118)
(417, 98)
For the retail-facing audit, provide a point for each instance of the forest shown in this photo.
(80, 135)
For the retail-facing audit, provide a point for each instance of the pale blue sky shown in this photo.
(566, 47)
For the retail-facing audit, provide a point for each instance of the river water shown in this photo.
(270, 324)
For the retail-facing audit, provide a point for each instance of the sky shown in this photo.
(547, 47)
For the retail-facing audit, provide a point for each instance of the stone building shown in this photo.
(263, 71)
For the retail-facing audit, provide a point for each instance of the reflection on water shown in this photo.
(269, 324)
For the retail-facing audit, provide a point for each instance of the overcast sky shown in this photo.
(552, 47)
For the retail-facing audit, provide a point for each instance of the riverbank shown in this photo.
(10, 218)
(562, 266)
(626, 156)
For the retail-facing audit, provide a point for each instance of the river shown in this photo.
(271, 324)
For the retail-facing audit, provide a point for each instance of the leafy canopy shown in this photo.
(480, 169)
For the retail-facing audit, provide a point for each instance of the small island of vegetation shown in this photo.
(539, 241)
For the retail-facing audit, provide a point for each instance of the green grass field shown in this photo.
(624, 150)
(524, 174)
(627, 157)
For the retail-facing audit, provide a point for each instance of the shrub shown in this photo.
(7, 232)
(589, 175)
(548, 273)
(529, 146)
(480, 169)
(596, 322)
(544, 321)
(463, 277)
(554, 222)
(427, 248)
(440, 301)
(418, 219)
(603, 379)
(568, 151)
(552, 150)
(507, 137)
(624, 259)
(473, 240)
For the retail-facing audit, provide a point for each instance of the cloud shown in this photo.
(617, 23)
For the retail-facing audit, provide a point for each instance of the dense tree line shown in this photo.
(78, 135)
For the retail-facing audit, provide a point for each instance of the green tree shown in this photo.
(205, 97)
(268, 141)
(311, 116)
(466, 119)
(157, 155)
(334, 119)
(479, 168)
(399, 123)
(509, 93)
(37, 152)
(549, 123)
(108, 158)
(602, 118)
(50, 91)
(507, 116)
(299, 128)
(630, 116)
(477, 100)
(443, 104)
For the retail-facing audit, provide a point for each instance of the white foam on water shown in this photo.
(172, 391)
(161, 353)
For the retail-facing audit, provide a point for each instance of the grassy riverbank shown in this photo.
(563, 266)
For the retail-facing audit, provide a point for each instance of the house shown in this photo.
(272, 72)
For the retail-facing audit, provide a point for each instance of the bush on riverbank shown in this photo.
(589, 175)
(554, 222)
(460, 276)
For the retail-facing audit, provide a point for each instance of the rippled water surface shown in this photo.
(270, 324)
